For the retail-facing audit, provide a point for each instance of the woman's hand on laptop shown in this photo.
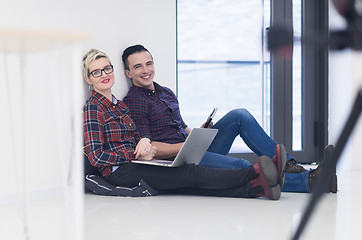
(143, 147)
(150, 153)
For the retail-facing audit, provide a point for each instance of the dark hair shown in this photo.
(131, 50)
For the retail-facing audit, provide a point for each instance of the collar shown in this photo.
(103, 100)
(158, 89)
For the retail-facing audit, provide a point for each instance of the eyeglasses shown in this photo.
(98, 72)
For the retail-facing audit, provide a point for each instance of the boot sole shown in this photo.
(283, 160)
(334, 187)
(328, 151)
(275, 193)
(271, 173)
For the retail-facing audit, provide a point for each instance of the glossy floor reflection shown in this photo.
(194, 217)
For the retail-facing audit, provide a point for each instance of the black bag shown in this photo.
(95, 183)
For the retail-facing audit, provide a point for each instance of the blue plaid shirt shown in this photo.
(156, 113)
(110, 135)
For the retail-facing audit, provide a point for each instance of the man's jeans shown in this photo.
(241, 122)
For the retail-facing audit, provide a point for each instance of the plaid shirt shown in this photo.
(156, 113)
(110, 135)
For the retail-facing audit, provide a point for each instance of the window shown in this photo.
(223, 62)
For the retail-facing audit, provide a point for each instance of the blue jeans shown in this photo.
(241, 122)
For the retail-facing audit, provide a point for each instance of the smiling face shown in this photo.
(141, 69)
(104, 83)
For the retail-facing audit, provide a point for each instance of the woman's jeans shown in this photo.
(241, 122)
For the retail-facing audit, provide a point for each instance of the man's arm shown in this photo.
(166, 150)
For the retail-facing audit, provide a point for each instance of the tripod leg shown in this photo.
(331, 161)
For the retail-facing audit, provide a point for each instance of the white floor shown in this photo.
(338, 216)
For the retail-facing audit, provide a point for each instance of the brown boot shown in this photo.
(279, 160)
(292, 167)
(267, 179)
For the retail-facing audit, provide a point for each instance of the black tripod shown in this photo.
(330, 163)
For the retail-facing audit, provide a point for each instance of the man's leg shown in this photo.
(216, 160)
(241, 122)
(296, 182)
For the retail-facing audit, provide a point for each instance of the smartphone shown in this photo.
(209, 119)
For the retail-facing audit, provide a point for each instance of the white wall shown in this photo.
(356, 159)
(111, 26)
(345, 78)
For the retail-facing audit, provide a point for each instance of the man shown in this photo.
(156, 112)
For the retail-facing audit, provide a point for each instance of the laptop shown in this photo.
(191, 152)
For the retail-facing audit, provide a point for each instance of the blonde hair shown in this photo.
(89, 57)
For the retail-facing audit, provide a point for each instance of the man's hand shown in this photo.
(166, 150)
(210, 125)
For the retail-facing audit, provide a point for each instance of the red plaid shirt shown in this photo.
(156, 113)
(110, 135)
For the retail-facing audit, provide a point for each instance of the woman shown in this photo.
(112, 142)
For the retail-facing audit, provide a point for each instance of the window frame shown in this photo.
(314, 82)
